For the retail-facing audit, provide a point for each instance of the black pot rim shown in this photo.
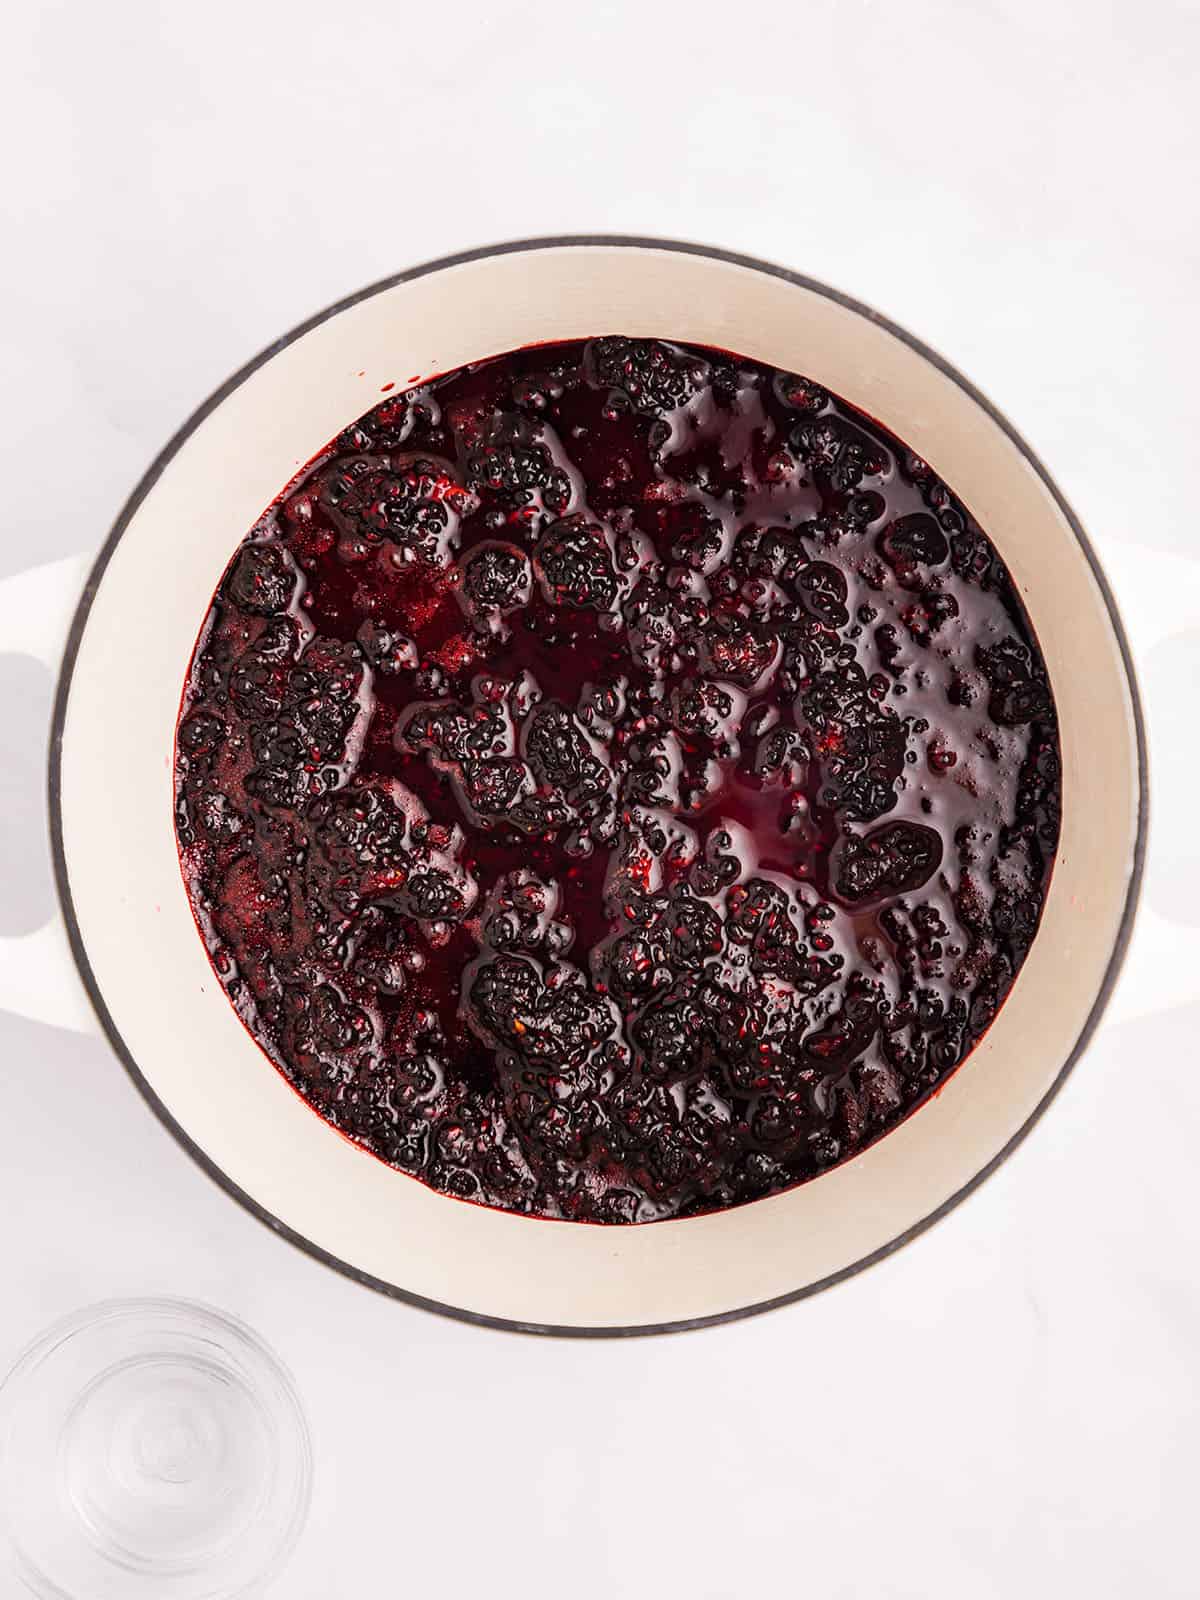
(62, 878)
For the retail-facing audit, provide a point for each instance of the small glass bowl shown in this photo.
(151, 1448)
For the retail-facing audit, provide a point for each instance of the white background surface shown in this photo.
(1011, 1403)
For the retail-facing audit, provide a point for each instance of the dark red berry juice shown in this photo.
(616, 781)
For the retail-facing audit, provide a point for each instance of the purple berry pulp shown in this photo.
(616, 780)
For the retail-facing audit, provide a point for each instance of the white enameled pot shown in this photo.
(131, 930)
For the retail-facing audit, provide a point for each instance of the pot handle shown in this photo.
(38, 976)
(1158, 593)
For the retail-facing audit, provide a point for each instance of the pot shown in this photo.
(130, 927)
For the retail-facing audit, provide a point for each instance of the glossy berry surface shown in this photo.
(616, 781)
